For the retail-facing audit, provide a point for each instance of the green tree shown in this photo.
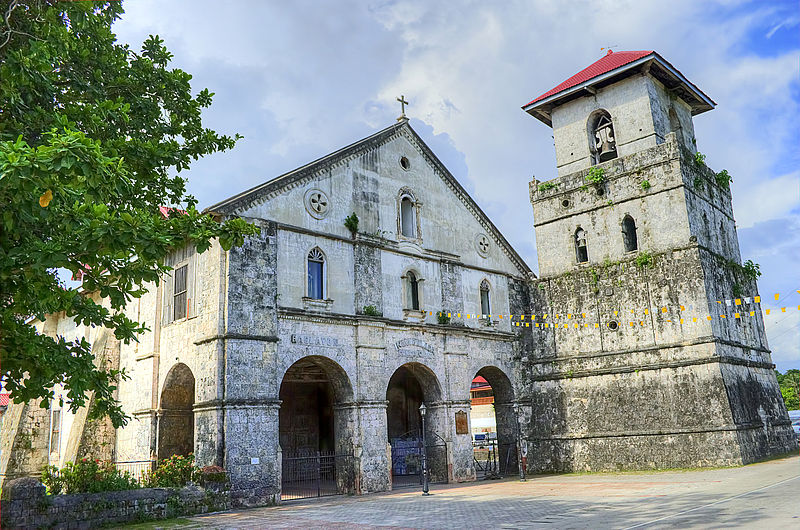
(789, 383)
(94, 138)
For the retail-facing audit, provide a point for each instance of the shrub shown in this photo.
(214, 474)
(86, 476)
(174, 472)
(547, 186)
(646, 185)
(371, 310)
(443, 318)
(351, 223)
(595, 175)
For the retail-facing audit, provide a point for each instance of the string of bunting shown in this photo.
(740, 308)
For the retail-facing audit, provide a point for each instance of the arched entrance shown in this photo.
(410, 386)
(493, 424)
(315, 429)
(176, 418)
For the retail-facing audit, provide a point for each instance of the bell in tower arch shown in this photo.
(605, 142)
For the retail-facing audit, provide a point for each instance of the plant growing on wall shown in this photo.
(644, 259)
(550, 185)
(595, 175)
(751, 270)
(443, 318)
(86, 476)
(645, 185)
(724, 178)
(351, 223)
(371, 311)
(699, 159)
(698, 182)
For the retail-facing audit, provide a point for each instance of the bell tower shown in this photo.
(662, 360)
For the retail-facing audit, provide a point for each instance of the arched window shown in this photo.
(674, 122)
(629, 234)
(408, 216)
(581, 252)
(602, 140)
(412, 291)
(316, 277)
(485, 305)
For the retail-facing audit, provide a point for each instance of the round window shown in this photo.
(404, 163)
(613, 325)
(565, 203)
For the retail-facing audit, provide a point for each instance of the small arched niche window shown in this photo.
(408, 216)
(581, 252)
(603, 140)
(316, 274)
(412, 291)
(629, 234)
(485, 305)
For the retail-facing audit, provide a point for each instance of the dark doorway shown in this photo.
(176, 418)
(314, 438)
(410, 386)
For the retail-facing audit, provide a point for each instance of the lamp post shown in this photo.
(519, 444)
(424, 453)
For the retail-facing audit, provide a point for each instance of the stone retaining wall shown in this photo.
(25, 505)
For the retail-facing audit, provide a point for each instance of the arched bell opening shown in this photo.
(493, 424)
(315, 429)
(412, 385)
(176, 418)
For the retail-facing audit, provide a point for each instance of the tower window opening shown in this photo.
(581, 252)
(603, 139)
(485, 306)
(629, 234)
(413, 291)
(407, 217)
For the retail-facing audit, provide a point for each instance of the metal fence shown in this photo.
(317, 475)
(494, 460)
(138, 469)
(407, 459)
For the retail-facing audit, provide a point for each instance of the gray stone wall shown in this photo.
(25, 505)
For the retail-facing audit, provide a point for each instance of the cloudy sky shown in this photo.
(299, 79)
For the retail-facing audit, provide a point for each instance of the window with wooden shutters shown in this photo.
(179, 292)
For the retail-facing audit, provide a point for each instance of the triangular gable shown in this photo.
(239, 203)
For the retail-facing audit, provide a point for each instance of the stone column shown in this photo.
(252, 451)
(374, 463)
(460, 454)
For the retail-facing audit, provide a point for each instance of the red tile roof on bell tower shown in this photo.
(611, 61)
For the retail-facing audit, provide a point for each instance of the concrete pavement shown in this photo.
(765, 495)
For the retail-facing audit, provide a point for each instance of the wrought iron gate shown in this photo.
(316, 475)
(407, 459)
(494, 460)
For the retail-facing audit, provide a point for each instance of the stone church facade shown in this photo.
(320, 337)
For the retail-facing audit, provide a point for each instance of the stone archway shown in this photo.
(316, 429)
(176, 418)
(411, 385)
(493, 405)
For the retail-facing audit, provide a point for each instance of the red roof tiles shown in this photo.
(611, 61)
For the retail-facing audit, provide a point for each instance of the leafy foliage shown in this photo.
(723, 178)
(94, 138)
(751, 270)
(173, 472)
(443, 318)
(645, 185)
(86, 476)
(788, 384)
(644, 259)
(549, 185)
(371, 311)
(595, 175)
(351, 223)
(699, 159)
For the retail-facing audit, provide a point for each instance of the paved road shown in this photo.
(765, 495)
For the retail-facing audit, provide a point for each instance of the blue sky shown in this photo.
(300, 79)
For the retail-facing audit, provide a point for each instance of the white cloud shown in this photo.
(303, 78)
